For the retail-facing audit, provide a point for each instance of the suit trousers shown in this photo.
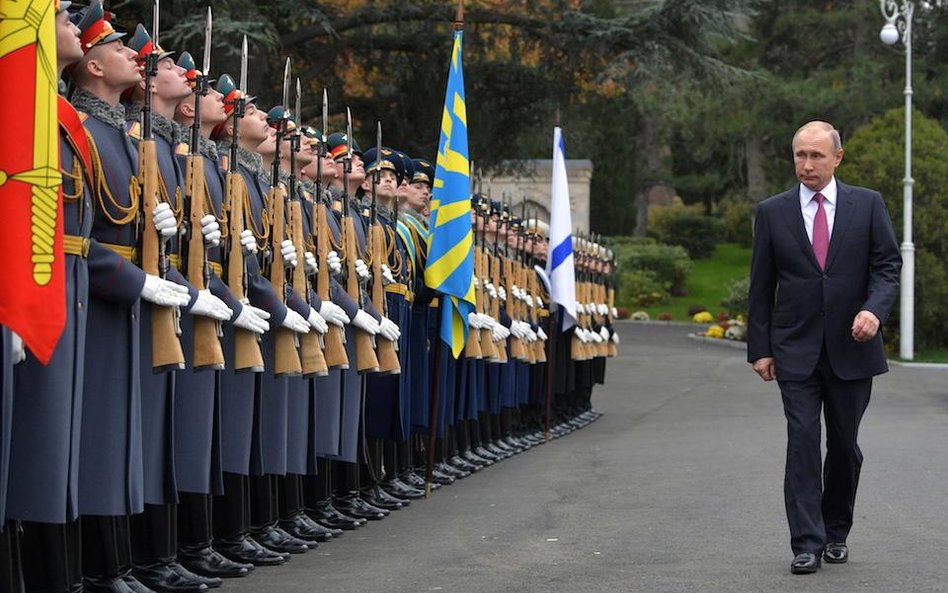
(820, 495)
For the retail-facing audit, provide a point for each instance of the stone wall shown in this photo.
(530, 181)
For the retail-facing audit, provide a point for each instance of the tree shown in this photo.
(873, 158)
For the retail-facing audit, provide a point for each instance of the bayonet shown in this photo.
(243, 68)
(286, 87)
(155, 9)
(377, 173)
(207, 42)
(299, 95)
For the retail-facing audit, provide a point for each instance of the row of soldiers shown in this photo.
(251, 362)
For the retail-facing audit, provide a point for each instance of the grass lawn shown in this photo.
(929, 355)
(708, 282)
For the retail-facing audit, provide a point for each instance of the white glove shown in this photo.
(539, 302)
(19, 349)
(365, 322)
(253, 319)
(502, 293)
(581, 333)
(487, 322)
(541, 334)
(604, 332)
(163, 219)
(211, 230)
(309, 263)
(591, 308)
(595, 337)
(515, 291)
(579, 308)
(164, 292)
(333, 313)
(387, 277)
(603, 309)
(295, 322)
(388, 330)
(477, 283)
(362, 270)
(333, 261)
(289, 255)
(615, 338)
(615, 312)
(491, 290)
(531, 335)
(248, 241)
(500, 332)
(517, 330)
(317, 322)
(529, 300)
(208, 305)
(473, 320)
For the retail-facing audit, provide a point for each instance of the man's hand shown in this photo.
(765, 368)
(865, 326)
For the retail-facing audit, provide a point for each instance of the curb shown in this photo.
(734, 344)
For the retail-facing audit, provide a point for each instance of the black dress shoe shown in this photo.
(463, 464)
(319, 533)
(472, 457)
(440, 478)
(805, 563)
(134, 585)
(305, 529)
(328, 516)
(497, 451)
(247, 551)
(211, 582)
(484, 453)
(836, 553)
(354, 506)
(161, 578)
(382, 500)
(414, 479)
(105, 585)
(278, 540)
(401, 490)
(449, 470)
(209, 562)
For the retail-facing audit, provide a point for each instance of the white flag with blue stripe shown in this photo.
(559, 261)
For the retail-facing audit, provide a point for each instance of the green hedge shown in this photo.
(649, 272)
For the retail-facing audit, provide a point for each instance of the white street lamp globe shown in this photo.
(889, 34)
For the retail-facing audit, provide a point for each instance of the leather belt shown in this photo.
(217, 268)
(126, 251)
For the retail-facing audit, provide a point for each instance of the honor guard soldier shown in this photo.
(154, 534)
(111, 480)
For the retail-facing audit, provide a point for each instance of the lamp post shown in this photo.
(898, 24)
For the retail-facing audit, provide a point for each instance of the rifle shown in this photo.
(517, 349)
(207, 331)
(488, 348)
(495, 278)
(287, 358)
(313, 362)
(247, 354)
(165, 321)
(522, 276)
(539, 351)
(335, 338)
(385, 349)
(366, 359)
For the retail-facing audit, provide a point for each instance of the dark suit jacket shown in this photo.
(795, 308)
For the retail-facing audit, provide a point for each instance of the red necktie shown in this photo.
(820, 232)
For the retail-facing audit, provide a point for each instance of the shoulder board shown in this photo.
(181, 148)
(135, 130)
(83, 116)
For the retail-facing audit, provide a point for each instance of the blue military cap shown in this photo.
(278, 113)
(495, 207)
(337, 142)
(95, 27)
(424, 171)
(479, 201)
(387, 160)
(142, 44)
(408, 169)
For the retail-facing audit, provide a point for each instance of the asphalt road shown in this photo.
(678, 487)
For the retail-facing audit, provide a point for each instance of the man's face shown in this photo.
(68, 46)
(212, 108)
(115, 63)
(814, 158)
(386, 185)
(358, 171)
(305, 155)
(170, 83)
(253, 126)
(268, 147)
(329, 169)
(402, 189)
(417, 196)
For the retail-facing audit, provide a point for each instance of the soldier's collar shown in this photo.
(95, 107)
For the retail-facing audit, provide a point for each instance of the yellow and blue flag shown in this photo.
(450, 266)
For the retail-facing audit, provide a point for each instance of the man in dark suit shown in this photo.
(824, 275)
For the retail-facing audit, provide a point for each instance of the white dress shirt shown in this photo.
(809, 207)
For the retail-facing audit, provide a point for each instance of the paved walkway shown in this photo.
(677, 488)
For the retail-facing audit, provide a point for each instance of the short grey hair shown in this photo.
(824, 126)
